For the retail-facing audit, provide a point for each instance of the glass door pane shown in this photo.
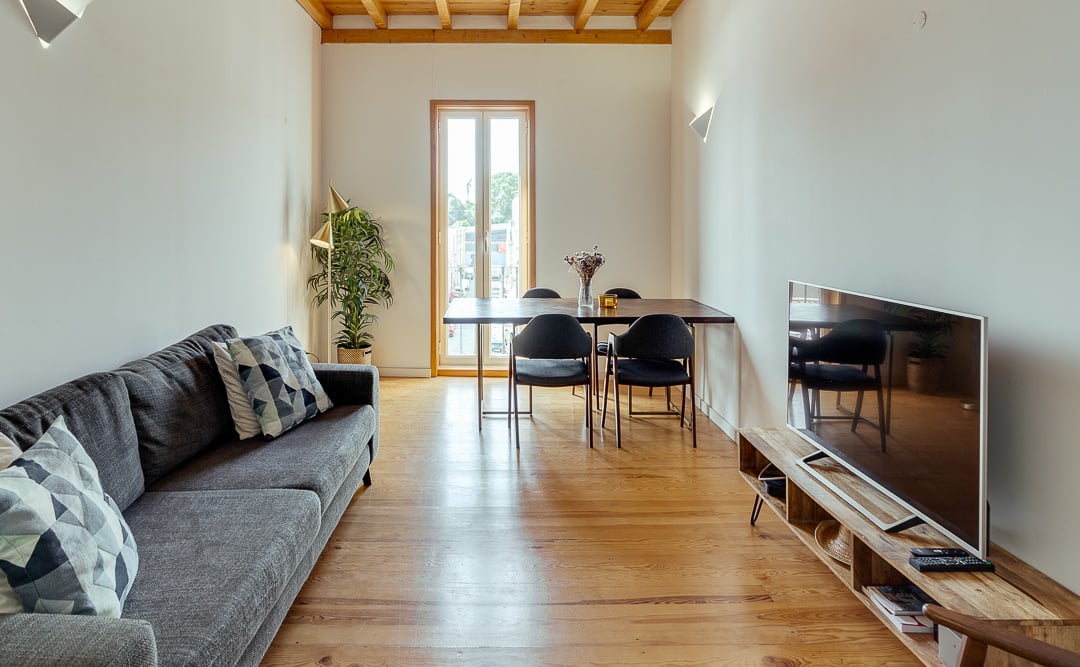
(460, 172)
(504, 154)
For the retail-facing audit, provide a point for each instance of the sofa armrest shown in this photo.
(349, 384)
(75, 641)
(352, 384)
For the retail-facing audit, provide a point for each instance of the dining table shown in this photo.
(464, 310)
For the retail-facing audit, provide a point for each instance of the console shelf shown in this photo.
(1015, 596)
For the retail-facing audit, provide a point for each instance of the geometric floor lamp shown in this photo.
(324, 238)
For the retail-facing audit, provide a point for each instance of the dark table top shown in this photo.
(813, 315)
(520, 311)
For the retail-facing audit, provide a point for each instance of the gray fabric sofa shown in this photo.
(227, 530)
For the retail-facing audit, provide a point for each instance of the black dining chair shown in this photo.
(551, 351)
(656, 351)
(540, 293)
(841, 361)
(602, 345)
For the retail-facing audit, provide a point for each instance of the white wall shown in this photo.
(938, 166)
(156, 172)
(602, 159)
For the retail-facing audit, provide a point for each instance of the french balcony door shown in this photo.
(483, 222)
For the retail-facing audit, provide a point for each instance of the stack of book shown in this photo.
(902, 605)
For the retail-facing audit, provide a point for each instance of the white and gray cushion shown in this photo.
(64, 546)
(279, 380)
(243, 415)
(9, 451)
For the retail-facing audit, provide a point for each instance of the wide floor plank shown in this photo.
(468, 551)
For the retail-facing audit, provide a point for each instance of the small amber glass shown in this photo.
(609, 301)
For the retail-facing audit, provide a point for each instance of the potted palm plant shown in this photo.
(927, 352)
(360, 277)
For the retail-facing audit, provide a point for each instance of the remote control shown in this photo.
(950, 564)
(938, 551)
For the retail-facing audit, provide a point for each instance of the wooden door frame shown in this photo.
(529, 107)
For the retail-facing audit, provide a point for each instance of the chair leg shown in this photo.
(618, 412)
(682, 406)
(517, 426)
(693, 410)
(509, 391)
(607, 379)
(588, 409)
(881, 417)
(858, 410)
(806, 408)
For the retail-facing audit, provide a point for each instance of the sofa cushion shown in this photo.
(178, 401)
(98, 413)
(214, 563)
(279, 380)
(316, 456)
(243, 415)
(64, 546)
(9, 451)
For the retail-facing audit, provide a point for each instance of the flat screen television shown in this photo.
(932, 460)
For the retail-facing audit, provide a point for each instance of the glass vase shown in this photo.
(584, 295)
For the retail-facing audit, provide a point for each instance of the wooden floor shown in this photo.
(466, 551)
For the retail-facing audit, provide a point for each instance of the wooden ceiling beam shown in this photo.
(444, 13)
(512, 15)
(584, 13)
(318, 13)
(469, 36)
(376, 12)
(649, 12)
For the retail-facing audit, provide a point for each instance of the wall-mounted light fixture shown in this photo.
(50, 17)
(700, 125)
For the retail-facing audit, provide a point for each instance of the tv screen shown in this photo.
(896, 393)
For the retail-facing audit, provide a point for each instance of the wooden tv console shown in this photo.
(1015, 596)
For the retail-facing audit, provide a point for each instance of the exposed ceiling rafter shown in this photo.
(649, 12)
(376, 12)
(584, 13)
(444, 14)
(512, 14)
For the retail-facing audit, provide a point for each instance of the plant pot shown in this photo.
(354, 355)
(924, 376)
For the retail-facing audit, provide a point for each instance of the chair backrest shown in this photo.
(540, 293)
(552, 336)
(979, 635)
(623, 293)
(860, 341)
(659, 336)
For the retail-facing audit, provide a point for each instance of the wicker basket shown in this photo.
(835, 540)
(354, 356)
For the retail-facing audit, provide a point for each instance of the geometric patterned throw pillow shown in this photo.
(9, 451)
(244, 420)
(279, 380)
(64, 546)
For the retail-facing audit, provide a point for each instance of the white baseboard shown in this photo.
(715, 417)
(391, 372)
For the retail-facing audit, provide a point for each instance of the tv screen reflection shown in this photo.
(893, 391)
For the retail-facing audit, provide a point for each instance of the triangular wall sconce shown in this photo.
(700, 125)
(50, 17)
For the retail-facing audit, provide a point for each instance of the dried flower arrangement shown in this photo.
(586, 262)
